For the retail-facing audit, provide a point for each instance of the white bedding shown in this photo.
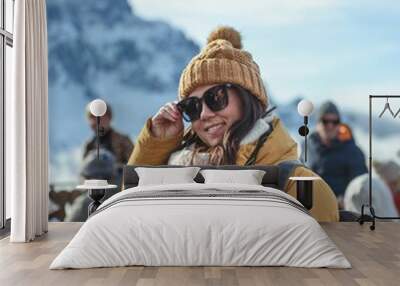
(183, 231)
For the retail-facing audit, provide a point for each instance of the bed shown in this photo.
(198, 224)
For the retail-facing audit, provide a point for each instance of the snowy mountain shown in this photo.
(102, 49)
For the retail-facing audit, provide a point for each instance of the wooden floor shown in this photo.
(374, 255)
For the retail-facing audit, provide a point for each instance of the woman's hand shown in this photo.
(167, 122)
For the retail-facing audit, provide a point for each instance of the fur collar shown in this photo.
(261, 126)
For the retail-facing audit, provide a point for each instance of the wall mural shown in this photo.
(180, 96)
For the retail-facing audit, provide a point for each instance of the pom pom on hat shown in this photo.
(226, 33)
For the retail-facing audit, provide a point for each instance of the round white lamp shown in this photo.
(305, 108)
(98, 108)
(96, 188)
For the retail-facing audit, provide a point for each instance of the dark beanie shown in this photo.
(328, 107)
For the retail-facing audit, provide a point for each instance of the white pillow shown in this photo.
(163, 176)
(248, 177)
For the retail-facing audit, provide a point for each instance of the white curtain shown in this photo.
(27, 124)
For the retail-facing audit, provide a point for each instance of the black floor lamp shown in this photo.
(304, 185)
(98, 108)
(364, 218)
(305, 108)
(96, 187)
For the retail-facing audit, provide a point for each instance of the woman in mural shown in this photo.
(223, 98)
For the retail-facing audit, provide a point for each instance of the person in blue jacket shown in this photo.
(332, 151)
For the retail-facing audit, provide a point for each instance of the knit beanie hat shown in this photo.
(328, 107)
(223, 60)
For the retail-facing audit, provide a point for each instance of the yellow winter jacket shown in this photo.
(279, 147)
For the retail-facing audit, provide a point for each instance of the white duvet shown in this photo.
(183, 231)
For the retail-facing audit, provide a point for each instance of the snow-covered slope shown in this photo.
(101, 48)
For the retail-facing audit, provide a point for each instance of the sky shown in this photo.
(315, 49)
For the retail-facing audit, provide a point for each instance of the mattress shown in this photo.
(201, 225)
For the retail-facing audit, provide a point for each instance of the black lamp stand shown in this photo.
(304, 188)
(98, 136)
(305, 193)
(96, 195)
(303, 131)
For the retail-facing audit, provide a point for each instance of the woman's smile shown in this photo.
(215, 128)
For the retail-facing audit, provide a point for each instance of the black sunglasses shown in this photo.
(327, 121)
(216, 99)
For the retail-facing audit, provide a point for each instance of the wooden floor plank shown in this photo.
(374, 255)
